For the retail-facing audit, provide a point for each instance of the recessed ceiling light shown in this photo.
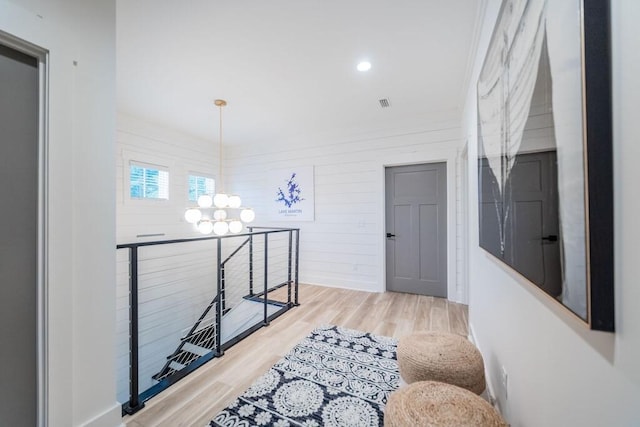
(364, 66)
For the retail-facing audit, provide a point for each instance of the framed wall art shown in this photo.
(292, 194)
(545, 151)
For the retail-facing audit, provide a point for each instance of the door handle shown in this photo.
(551, 238)
(389, 235)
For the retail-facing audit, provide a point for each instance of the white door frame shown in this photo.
(42, 294)
(463, 280)
(448, 156)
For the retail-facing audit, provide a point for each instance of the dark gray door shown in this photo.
(416, 227)
(531, 220)
(18, 237)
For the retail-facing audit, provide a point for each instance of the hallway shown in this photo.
(197, 398)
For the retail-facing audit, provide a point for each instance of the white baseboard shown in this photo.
(355, 286)
(489, 393)
(112, 417)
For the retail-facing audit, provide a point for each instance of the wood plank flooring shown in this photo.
(195, 400)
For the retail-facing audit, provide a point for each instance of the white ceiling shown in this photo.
(288, 67)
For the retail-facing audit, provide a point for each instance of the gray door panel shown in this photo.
(416, 216)
(531, 222)
(18, 237)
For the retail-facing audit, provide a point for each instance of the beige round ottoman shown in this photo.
(434, 404)
(440, 356)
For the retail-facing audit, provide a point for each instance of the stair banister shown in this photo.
(219, 310)
(176, 371)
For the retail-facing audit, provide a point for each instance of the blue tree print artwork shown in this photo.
(291, 195)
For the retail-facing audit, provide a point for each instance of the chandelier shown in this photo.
(220, 213)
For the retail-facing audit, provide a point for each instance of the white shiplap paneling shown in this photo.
(344, 246)
(150, 143)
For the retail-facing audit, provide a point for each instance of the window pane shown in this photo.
(199, 185)
(148, 182)
(137, 181)
(192, 188)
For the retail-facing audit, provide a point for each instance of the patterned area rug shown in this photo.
(334, 377)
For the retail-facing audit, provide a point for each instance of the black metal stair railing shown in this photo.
(197, 343)
(249, 265)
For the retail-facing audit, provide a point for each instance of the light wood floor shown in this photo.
(196, 399)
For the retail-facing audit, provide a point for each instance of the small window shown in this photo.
(148, 181)
(199, 185)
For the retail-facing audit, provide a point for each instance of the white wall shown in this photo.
(81, 220)
(147, 142)
(345, 245)
(560, 373)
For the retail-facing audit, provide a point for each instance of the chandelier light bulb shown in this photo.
(247, 215)
(220, 228)
(220, 215)
(210, 215)
(205, 227)
(221, 200)
(235, 226)
(205, 201)
(192, 216)
(234, 201)
(364, 66)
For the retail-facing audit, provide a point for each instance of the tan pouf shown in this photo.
(440, 356)
(435, 404)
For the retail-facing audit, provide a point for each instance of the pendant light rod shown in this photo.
(220, 103)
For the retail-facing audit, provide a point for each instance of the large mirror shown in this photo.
(544, 147)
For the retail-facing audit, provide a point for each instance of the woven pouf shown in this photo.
(434, 404)
(440, 356)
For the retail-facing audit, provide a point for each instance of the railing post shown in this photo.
(296, 302)
(266, 284)
(223, 288)
(250, 261)
(134, 404)
(290, 255)
(219, 309)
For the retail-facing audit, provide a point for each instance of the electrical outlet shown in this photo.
(505, 382)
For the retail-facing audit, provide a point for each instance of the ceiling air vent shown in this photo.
(384, 103)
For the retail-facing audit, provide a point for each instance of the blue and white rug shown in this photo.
(334, 377)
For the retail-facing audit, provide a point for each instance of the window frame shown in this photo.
(194, 173)
(151, 162)
(150, 167)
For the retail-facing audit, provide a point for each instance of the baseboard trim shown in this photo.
(349, 288)
(112, 417)
(489, 393)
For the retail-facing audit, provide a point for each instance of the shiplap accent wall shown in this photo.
(145, 142)
(345, 245)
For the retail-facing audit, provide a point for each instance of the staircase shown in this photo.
(201, 339)
(198, 342)
(246, 270)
